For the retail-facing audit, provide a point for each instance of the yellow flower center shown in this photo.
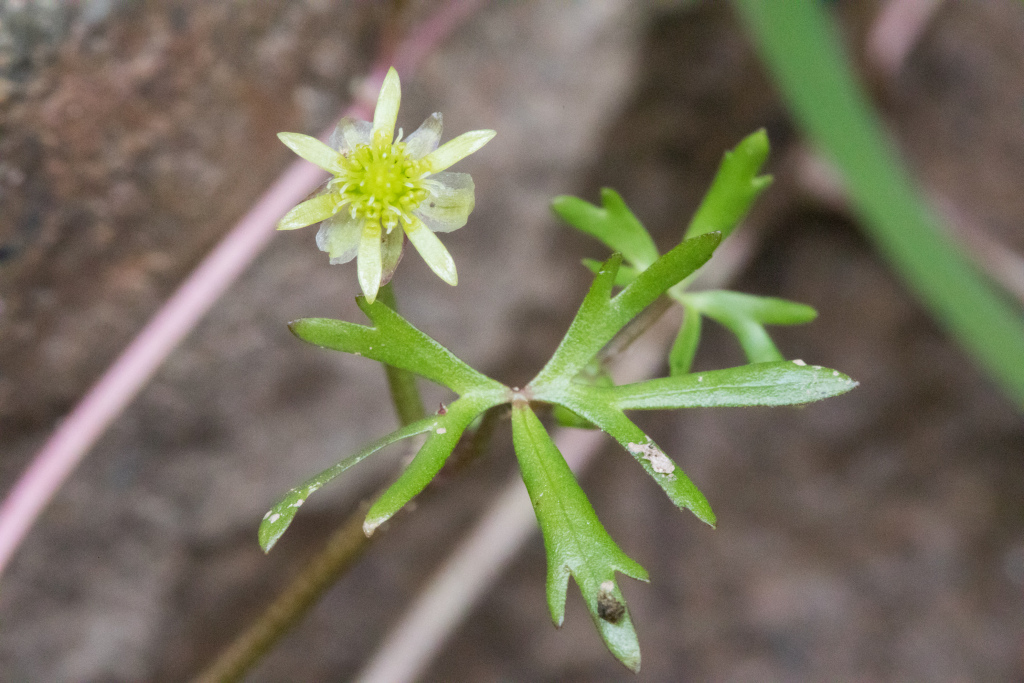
(380, 183)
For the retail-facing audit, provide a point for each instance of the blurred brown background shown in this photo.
(876, 536)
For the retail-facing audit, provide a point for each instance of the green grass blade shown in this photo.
(802, 48)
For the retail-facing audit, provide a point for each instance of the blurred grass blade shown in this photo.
(802, 49)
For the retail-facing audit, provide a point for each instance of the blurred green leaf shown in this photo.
(804, 52)
(745, 316)
(615, 225)
(394, 341)
(735, 188)
(684, 348)
(577, 544)
(762, 309)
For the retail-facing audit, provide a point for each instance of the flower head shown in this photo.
(385, 188)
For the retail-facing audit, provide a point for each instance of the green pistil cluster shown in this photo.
(380, 183)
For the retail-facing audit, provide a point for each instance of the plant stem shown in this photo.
(404, 393)
(342, 550)
(634, 329)
(344, 547)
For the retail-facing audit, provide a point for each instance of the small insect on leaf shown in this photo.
(609, 607)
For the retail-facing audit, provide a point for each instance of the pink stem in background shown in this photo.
(123, 380)
(897, 29)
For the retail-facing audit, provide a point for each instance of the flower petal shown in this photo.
(309, 212)
(369, 262)
(433, 252)
(385, 116)
(311, 149)
(457, 149)
(450, 202)
(424, 139)
(391, 253)
(339, 237)
(350, 133)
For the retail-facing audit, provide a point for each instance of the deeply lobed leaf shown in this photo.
(442, 437)
(280, 516)
(593, 404)
(394, 341)
(600, 317)
(575, 540)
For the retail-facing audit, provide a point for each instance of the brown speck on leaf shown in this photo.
(442, 409)
(609, 607)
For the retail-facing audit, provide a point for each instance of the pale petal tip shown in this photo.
(385, 116)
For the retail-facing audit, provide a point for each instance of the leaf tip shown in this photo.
(272, 527)
(370, 525)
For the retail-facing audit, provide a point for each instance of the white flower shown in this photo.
(380, 184)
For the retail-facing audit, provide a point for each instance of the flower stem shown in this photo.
(342, 550)
(404, 393)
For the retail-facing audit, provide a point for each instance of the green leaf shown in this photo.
(280, 516)
(625, 275)
(596, 404)
(615, 225)
(735, 188)
(444, 434)
(804, 51)
(760, 384)
(600, 317)
(394, 341)
(577, 544)
(680, 357)
(763, 309)
(566, 418)
(745, 316)
(757, 344)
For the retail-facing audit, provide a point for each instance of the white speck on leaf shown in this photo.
(654, 455)
(607, 586)
(266, 515)
(835, 373)
(700, 378)
(274, 517)
(441, 430)
(298, 503)
(799, 362)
